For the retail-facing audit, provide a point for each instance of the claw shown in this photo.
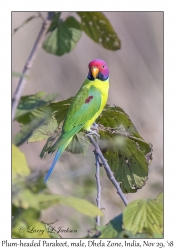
(94, 126)
(91, 132)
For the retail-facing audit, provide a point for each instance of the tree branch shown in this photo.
(29, 62)
(41, 16)
(97, 176)
(108, 170)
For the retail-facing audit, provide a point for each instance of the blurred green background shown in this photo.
(136, 85)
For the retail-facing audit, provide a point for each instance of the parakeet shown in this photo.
(86, 106)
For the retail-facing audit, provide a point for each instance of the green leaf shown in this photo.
(145, 147)
(127, 153)
(27, 130)
(64, 37)
(19, 164)
(99, 29)
(79, 144)
(43, 201)
(48, 144)
(160, 198)
(23, 23)
(47, 200)
(80, 205)
(128, 235)
(52, 129)
(30, 103)
(59, 109)
(157, 236)
(25, 199)
(26, 225)
(126, 160)
(142, 216)
(35, 182)
(32, 112)
(112, 229)
(44, 131)
(30, 216)
(116, 118)
(55, 21)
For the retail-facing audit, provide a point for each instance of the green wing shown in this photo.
(84, 106)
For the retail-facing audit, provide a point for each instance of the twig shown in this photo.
(40, 15)
(108, 170)
(29, 62)
(97, 176)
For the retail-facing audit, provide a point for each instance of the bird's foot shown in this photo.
(95, 127)
(91, 132)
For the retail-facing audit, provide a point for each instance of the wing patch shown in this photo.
(88, 99)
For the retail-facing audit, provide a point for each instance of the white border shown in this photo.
(5, 99)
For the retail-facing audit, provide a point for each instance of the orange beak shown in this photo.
(94, 71)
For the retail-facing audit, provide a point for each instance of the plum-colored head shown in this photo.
(98, 69)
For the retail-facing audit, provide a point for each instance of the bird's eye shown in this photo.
(103, 66)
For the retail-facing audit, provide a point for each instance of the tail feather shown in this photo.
(57, 156)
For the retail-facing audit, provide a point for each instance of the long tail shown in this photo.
(57, 156)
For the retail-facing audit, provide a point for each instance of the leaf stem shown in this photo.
(29, 62)
(108, 170)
